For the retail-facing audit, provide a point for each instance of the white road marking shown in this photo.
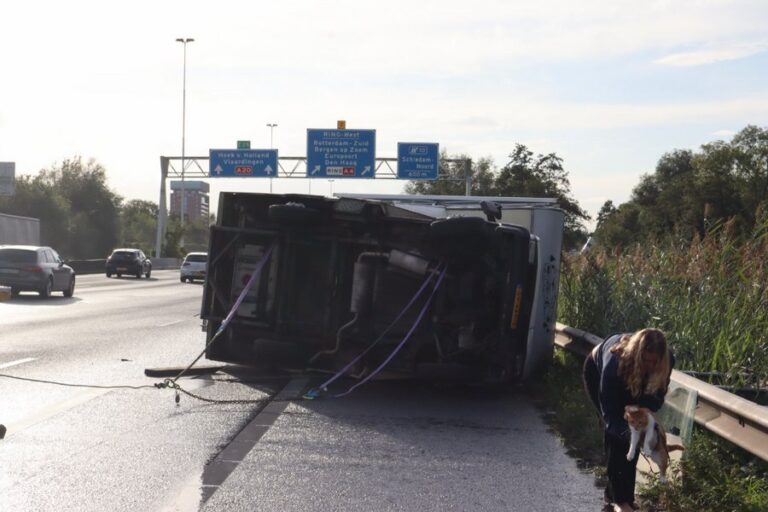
(53, 410)
(187, 497)
(171, 323)
(16, 362)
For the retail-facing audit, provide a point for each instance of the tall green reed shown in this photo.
(709, 295)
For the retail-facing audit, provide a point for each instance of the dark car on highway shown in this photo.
(34, 268)
(132, 262)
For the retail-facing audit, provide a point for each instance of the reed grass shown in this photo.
(709, 295)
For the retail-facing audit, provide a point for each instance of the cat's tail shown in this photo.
(673, 447)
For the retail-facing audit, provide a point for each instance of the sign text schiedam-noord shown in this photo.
(418, 160)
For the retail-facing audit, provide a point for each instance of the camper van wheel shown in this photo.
(458, 226)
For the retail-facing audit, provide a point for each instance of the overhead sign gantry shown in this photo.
(331, 154)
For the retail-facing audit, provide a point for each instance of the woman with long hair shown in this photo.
(626, 369)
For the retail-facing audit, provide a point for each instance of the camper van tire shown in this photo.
(457, 226)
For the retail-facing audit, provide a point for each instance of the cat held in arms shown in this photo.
(644, 428)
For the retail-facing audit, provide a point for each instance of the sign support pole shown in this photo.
(161, 215)
(468, 177)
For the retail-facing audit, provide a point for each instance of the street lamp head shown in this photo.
(184, 40)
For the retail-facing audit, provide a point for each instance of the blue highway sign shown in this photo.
(417, 160)
(242, 163)
(341, 153)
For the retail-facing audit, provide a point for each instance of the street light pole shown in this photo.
(271, 126)
(183, 41)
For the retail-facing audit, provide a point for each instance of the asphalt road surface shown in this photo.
(388, 446)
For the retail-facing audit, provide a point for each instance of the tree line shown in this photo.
(524, 175)
(82, 218)
(687, 194)
(690, 192)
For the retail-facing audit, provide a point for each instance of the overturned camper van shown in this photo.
(469, 283)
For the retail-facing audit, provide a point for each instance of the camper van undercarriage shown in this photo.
(345, 277)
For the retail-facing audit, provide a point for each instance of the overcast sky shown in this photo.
(607, 85)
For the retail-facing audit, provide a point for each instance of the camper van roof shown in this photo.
(452, 200)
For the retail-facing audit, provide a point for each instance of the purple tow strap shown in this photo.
(229, 316)
(402, 343)
(254, 275)
(316, 391)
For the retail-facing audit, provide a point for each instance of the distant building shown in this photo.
(197, 199)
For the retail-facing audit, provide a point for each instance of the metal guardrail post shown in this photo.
(729, 416)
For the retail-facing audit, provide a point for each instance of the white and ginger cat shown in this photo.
(644, 428)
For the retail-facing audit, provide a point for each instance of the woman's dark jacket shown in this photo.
(614, 394)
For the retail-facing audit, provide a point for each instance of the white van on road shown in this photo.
(194, 266)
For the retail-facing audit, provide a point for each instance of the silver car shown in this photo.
(194, 266)
(37, 269)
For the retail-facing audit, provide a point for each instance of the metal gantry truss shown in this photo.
(196, 167)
